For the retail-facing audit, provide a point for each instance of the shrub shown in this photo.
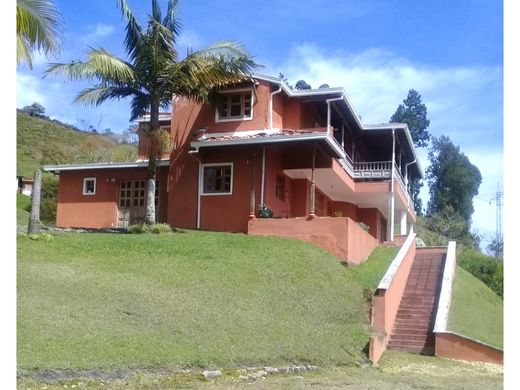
(483, 267)
(265, 212)
(158, 228)
(364, 226)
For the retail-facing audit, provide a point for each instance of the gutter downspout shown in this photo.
(199, 187)
(329, 131)
(262, 189)
(271, 106)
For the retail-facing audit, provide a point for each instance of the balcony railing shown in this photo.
(373, 170)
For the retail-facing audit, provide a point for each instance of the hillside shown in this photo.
(40, 141)
(476, 311)
(189, 299)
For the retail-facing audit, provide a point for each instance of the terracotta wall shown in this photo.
(340, 236)
(220, 212)
(385, 302)
(454, 346)
(100, 210)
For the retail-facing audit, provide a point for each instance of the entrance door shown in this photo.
(132, 201)
(132, 195)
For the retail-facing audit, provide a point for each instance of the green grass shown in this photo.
(23, 203)
(476, 311)
(188, 299)
(396, 371)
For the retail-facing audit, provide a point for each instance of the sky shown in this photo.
(451, 53)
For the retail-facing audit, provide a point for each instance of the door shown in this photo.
(132, 195)
(132, 202)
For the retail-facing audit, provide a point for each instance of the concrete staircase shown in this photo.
(413, 327)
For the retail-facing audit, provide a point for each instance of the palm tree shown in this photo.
(154, 73)
(37, 24)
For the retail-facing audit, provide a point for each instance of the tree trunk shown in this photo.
(149, 217)
(34, 220)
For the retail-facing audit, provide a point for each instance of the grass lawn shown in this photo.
(188, 299)
(476, 311)
(396, 371)
(22, 215)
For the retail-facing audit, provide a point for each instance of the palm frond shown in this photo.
(139, 105)
(156, 11)
(133, 37)
(171, 21)
(37, 27)
(100, 65)
(98, 94)
(222, 63)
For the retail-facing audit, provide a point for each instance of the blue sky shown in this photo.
(451, 52)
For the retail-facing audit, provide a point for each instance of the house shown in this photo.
(302, 155)
(24, 185)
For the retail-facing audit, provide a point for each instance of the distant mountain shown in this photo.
(42, 141)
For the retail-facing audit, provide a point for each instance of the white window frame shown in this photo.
(201, 179)
(232, 92)
(85, 185)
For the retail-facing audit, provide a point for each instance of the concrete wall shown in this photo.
(100, 210)
(340, 236)
(387, 298)
(453, 346)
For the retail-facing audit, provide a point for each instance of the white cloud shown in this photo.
(189, 39)
(97, 32)
(463, 102)
(29, 89)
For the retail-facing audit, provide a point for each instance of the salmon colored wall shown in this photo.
(278, 110)
(453, 346)
(372, 217)
(300, 197)
(217, 212)
(340, 236)
(385, 302)
(292, 114)
(347, 209)
(182, 198)
(274, 168)
(100, 210)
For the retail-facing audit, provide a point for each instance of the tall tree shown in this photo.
(414, 113)
(37, 28)
(452, 179)
(154, 72)
(302, 84)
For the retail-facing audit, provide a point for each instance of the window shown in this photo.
(132, 193)
(280, 187)
(89, 186)
(236, 105)
(217, 179)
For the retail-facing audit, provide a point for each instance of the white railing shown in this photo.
(373, 169)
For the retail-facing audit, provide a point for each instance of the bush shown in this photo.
(49, 197)
(483, 267)
(364, 226)
(265, 212)
(158, 228)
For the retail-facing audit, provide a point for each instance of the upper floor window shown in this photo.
(235, 105)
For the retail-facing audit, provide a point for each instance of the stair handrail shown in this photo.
(443, 308)
(396, 263)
